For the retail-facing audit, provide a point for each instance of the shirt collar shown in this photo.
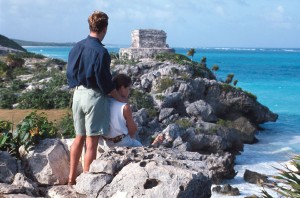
(96, 39)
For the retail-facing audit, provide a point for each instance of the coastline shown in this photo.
(262, 166)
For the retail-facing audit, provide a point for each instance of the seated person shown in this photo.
(122, 126)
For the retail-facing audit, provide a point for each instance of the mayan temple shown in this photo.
(145, 44)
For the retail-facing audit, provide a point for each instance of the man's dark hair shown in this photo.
(122, 80)
(98, 21)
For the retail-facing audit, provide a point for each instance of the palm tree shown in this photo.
(191, 53)
(229, 78)
(203, 61)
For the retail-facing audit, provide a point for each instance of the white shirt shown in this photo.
(117, 124)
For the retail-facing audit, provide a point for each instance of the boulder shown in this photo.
(157, 180)
(49, 162)
(91, 184)
(62, 191)
(226, 190)
(255, 178)
(31, 187)
(8, 167)
(203, 110)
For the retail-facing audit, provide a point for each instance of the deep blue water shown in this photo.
(273, 75)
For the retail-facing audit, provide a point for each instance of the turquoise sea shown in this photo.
(273, 75)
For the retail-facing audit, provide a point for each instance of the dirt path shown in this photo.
(17, 115)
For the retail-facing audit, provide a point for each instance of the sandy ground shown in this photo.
(17, 115)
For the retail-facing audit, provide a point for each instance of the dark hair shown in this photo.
(122, 80)
(98, 21)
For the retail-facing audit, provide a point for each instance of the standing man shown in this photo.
(88, 71)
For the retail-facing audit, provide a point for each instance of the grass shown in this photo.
(17, 115)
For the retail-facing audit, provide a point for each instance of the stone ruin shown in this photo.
(145, 44)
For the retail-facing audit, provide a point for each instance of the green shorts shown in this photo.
(90, 112)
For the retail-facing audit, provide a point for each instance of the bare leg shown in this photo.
(75, 153)
(91, 151)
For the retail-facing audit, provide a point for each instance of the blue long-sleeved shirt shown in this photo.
(89, 65)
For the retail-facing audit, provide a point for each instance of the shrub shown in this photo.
(184, 123)
(229, 78)
(17, 85)
(66, 127)
(175, 58)
(31, 55)
(29, 132)
(290, 178)
(141, 100)
(57, 80)
(44, 99)
(13, 60)
(5, 127)
(19, 71)
(251, 95)
(3, 69)
(7, 98)
(165, 83)
(225, 123)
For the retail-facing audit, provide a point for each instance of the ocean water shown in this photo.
(273, 75)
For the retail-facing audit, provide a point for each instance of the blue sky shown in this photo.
(191, 23)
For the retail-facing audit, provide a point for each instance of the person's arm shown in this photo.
(131, 125)
(117, 96)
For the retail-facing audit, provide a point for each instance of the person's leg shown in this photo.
(91, 151)
(75, 153)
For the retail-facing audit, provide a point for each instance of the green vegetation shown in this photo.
(6, 42)
(44, 99)
(7, 98)
(225, 123)
(165, 83)
(184, 123)
(124, 60)
(29, 132)
(142, 100)
(203, 62)
(229, 78)
(13, 61)
(46, 96)
(228, 88)
(66, 127)
(160, 97)
(175, 58)
(235, 82)
(290, 178)
(251, 95)
(191, 53)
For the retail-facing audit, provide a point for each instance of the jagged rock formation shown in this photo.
(145, 44)
(204, 122)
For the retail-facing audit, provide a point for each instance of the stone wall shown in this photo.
(148, 38)
(146, 43)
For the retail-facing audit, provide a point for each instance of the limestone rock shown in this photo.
(226, 190)
(49, 162)
(11, 189)
(31, 188)
(255, 178)
(203, 110)
(63, 191)
(153, 180)
(8, 167)
(90, 184)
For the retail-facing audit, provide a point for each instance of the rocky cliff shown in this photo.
(205, 123)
